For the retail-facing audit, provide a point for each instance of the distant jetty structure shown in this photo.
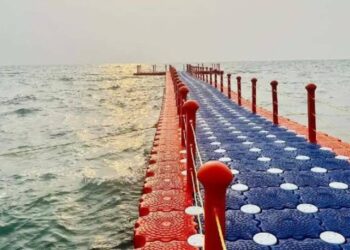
(154, 71)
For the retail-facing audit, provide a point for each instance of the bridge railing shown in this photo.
(214, 175)
(200, 71)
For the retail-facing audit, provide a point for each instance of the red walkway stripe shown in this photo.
(163, 223)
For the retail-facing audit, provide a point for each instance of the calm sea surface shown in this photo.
(74, 140)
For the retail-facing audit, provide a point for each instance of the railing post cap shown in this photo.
(215, 174)
(311, 87)
(180, 84)
(183, 90)
(274, 83)
(254, 80)
(229, 74)
(190, 105)
(238, 78)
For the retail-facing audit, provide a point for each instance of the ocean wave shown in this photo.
(18, 99)
(66, 79)
(25, 111)
(103, 79)
(113, 87)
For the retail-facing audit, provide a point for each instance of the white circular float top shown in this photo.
(250, 209)
(318, 170)
(302, 157)
(255, 150)
(265, 239)
(215, 143)
(289, 149)
(225, 159)
(307, 208)
(239, 187)
(326, 149)
(220, 150)
(288, 186)
(263, 131)
(342, 157)
(194, 210)
(332, 237)
(235, 171)
(264, 159)
(236, 132)
(275, 170)
(247, 143)
(270, 136)
(196, 240)
(338, 185)
(280, 141)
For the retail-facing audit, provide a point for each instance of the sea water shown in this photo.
(73, 146)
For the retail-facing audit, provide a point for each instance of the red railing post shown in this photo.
(183, 97)
(274, 102)
(177, 92)
(189, 109)
(239, 90)
(211, 76)
(215, 78)
(311, 110)
(215, 178)
(221, 81)
(254, 80)
(206, 74)
(183, 91)
(229, 86)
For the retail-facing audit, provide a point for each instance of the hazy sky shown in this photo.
(117, 31)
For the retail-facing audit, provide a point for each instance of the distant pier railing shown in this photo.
(200, 71)
(153, 72)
